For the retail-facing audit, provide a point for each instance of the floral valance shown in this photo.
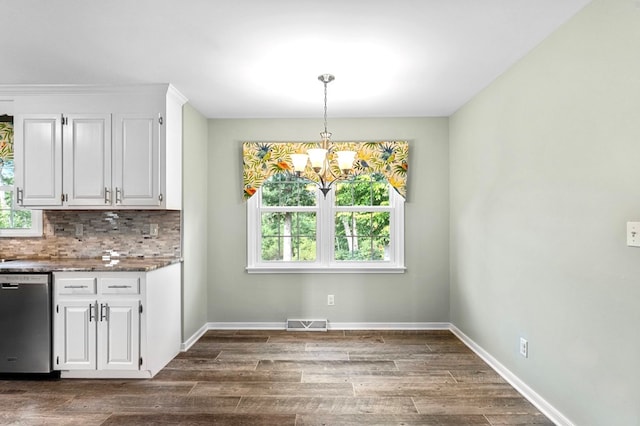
(6, 142)
(261, 160)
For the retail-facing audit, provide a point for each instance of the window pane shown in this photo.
(363, 190)
(12, 219)
(21, 219)
(362, 236)
(287, 190)
(6, 172)
(288, 236)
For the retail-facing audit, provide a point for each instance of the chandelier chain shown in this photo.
(325, 106)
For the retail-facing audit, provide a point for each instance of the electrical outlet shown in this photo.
(633, 234)
(153, 229)
(524, 347)
(79, 230)
(330, 300)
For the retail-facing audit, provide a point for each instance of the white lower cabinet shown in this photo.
(75, 329)
(102, 334)
(116, 324)
(119, 336)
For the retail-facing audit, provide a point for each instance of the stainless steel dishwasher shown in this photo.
(25, 323)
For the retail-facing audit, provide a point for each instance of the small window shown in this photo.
(14, 221)
(358, 227)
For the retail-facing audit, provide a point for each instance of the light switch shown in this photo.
(79, 230)
(633, 234)
(153, 229)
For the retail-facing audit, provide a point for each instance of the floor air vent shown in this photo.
(307, 325)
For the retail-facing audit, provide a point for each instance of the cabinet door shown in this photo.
(87, 160)
(137, 160)
(38, 156)
(119, 334)
(75, 335)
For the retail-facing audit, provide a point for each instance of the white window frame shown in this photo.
(34, 231)
(36, 219)
(6, 107)
(325, 212)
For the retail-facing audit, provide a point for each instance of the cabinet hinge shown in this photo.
(140, 364)
(57, 309)
(160, 120)
(140, 308)
(57, 360)
(65, 120)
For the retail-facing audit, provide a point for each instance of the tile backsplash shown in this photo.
(124, 231)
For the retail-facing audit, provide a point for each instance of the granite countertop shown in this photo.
(120, 264)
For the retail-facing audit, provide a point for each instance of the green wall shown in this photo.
(544, 177)
(419, 295)
(194, 222)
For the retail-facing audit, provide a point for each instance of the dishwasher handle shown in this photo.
(10, 286)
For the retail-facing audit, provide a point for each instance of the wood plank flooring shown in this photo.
(288, 378)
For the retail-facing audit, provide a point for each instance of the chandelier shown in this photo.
(321, 158)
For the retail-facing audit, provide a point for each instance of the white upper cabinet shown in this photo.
(38, 159)
(98, 147)
(136, 176)
(87, 159)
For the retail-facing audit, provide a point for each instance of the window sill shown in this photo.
(305, 269)
(15, 233)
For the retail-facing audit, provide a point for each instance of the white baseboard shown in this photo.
(332, 325)
(389, 325)
(532, 396)
(246, 325)
(193, 339)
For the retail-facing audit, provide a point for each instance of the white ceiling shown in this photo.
(261, 58)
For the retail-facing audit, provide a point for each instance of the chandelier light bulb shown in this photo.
(317, 156)
(345, 161)
(299, 162)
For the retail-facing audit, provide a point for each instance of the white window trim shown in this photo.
(34, 231)
(325, 263)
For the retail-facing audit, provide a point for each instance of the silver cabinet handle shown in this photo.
(119, 286)
(104, 312)
(75, 286)
(92, 317)
(107, 195)
(19, 196)
(118, 195)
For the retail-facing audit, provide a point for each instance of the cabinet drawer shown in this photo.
(86, 285)
(130, 285)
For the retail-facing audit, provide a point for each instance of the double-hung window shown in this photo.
(14, 221)
(357, 227)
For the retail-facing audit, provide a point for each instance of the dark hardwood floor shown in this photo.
(288, 378)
